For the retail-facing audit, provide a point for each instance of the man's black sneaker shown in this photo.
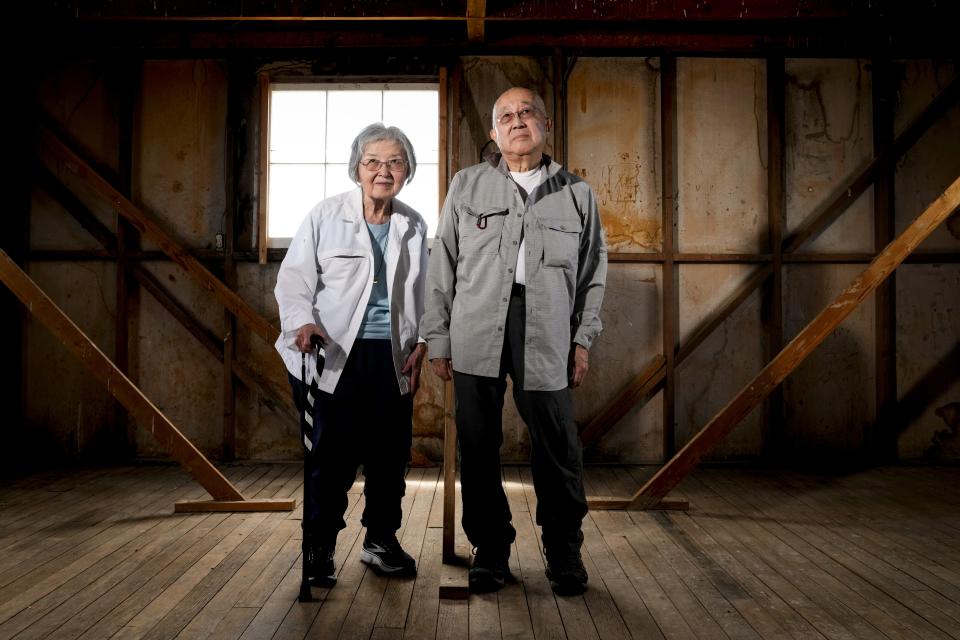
(384, 555)
(320, 568)
(566, 573)
(490, 571)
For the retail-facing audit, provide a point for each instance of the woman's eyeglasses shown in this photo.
(393, 164)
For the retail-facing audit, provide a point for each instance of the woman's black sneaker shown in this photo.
(384, 555)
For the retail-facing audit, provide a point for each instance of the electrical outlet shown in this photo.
(219, 242)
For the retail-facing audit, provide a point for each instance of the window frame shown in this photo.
(267, 83)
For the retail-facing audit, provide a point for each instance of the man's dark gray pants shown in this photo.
(556, 455)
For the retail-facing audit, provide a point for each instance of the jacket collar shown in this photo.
(496, 161)
(352, 211)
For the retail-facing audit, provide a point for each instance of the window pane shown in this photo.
(297, 125)
(294, 189)
(312, 127)
(348, 112)
(337, 180)
(415, 112)
(421, 194)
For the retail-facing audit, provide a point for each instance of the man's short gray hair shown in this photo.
(537, 102)
(377, 132)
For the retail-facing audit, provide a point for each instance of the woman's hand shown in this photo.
(304, 334)
(411, 368)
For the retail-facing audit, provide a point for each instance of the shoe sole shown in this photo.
(568, 589)
(485, 582)
(377, 564)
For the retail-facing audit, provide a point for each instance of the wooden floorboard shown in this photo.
(99, 553)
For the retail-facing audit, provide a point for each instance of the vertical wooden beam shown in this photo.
(233, 134)
(263, 165)
(443, 161)
(449, 420)
(128, 78)
(882, 443)
(670, 303)
(456, 82)
(15, 453)
(776, 213)
(560, 106)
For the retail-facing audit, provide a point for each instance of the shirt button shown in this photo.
(504, 300)
(514, 242)
(519, 215)
(509, 270)
(499, 328)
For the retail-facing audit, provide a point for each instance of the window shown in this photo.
(310, 130)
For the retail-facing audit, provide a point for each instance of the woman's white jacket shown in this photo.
(326, 279)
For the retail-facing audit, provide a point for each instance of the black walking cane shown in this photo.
(306, 595)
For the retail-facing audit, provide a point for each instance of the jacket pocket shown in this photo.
(481, 228)
(561, 241)
(338, 269)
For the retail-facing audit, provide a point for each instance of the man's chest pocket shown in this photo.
(561, 241)
(480, 229)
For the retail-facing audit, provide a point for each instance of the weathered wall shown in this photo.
(67, 412)
(613, 141)
(721, 156)
(830, 398)
(928, 311)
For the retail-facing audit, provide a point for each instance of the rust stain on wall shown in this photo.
(619, 195)
(623, 227)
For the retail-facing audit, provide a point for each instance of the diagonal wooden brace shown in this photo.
(792, 355)
(69, 160)
(226, 496)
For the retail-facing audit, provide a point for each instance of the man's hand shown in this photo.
(411, 368)
(443, 368)
(303, 337)
(579, 363)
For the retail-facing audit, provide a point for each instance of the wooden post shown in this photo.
(146, 225)
(670, 303)
(776, 210)
(226, 496)
(453, 578)
(443, 158)
(559, 106)
(881, 443)
(128, 76)
(263, 165)
(235, 123)
(792, 355)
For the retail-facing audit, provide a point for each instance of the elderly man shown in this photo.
(514, 286)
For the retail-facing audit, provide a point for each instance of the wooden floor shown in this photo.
(99, 554)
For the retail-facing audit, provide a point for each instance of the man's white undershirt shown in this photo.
(529, 181)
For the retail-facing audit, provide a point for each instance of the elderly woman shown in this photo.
(354, 276)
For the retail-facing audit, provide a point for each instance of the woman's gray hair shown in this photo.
(377, 132)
